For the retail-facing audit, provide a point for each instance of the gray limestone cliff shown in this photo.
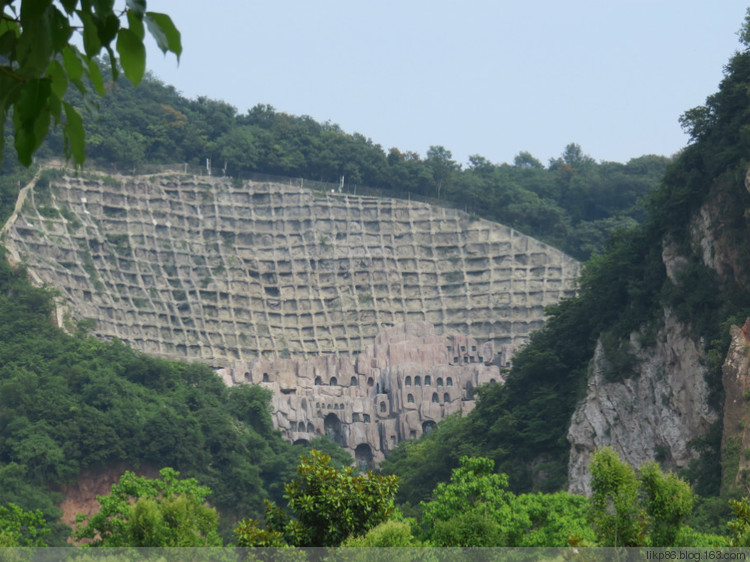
(657, 410)
(654, 414)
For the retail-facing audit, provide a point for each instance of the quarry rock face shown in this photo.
(653, 413)
(207, 269)
(400, 387)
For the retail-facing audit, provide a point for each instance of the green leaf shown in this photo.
(74, 135)
(8, 42)
(31, 118)
(55, 107)
(132, 55)
(72, 62)
(107, 27)
(103, 7)
(10, 26)
(166, 34)
(58, 77)
(137, 6)
(135, 23)
(9, 89)
(32, 10)
(69, 5)
(35, 46)
(95, 75)
(60, 29)
(112, 63)
(91, 43)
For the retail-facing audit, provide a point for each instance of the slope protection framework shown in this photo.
(202, 268)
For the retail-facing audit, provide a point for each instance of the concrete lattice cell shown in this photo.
(200, 268)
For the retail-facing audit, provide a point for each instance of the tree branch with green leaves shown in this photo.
(39, 59)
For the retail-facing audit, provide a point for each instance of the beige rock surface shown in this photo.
(403, 384)
(736, 427)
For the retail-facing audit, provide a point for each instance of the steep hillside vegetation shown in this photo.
(74, 403)
(673, 284)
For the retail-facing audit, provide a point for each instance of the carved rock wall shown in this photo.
(205, 269)
(405, 382)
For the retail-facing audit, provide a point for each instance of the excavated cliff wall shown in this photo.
(362, 315)
(400, 387)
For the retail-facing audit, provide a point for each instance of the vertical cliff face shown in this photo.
(657, 410)
(654, 414)
(735, 442)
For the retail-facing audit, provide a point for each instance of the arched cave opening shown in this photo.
(363, 456)
(428, 427)
(332, 427)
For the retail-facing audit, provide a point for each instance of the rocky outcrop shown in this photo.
(664, 404)
(400, 387)
(654, 414)
(206, 269)
(735, 442)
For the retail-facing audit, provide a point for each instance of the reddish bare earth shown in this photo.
(80, 496)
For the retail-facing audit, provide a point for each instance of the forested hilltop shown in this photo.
(572, 203)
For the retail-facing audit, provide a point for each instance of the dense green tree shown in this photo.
(143, 512)
(476, 509)
(618, 516)
(327, 505)
(668, 501)
(388, 534)
(474, 481)
(636, 508)
(21, 528)
(443, 168)
(423, 463)
(739, 526)
(473, 509)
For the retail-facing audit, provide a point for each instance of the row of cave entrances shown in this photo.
(334, 381)
(363, 452)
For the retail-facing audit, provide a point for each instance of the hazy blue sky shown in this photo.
(479, 77)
